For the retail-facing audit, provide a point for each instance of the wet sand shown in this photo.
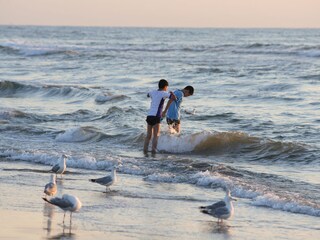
(134, 209)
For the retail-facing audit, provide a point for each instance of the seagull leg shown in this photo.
(64, 215)
(70, 219)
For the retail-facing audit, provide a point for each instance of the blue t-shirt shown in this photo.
(174, 109)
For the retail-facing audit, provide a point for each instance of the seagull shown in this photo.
(61, 166)
(222, 209)
(107, 180)
(50, 188)
(66, 203)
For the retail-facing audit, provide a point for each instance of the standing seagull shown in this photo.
(61, 166)
(51, 188)
(66, 203)
(107, 180)
(222, 209)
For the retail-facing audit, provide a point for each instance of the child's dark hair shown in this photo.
(162, 83)
(190, 89)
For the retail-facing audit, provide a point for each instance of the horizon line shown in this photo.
(162, 27)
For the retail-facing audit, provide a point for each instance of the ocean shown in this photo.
(252, 124)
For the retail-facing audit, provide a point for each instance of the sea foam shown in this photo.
(83, 161)
(276, 202)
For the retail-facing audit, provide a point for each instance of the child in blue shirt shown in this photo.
(172, 110)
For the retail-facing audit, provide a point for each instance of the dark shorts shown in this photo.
(153, 120)
(172, 121)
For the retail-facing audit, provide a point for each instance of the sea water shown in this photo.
(252, 124)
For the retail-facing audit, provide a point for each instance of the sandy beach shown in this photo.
(134, 209)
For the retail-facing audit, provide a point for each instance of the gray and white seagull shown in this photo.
(107, 180)
(222, 209)
(66, 203)
(61, 166)
(50, 188)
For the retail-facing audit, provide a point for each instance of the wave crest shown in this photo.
(10, 89)
(211, 143)
(80, 134)
(204, 142)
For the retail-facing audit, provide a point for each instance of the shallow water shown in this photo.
(252, 124)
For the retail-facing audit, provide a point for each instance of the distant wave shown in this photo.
(102, 98)
(8, 49)
(309, 51)
(34, 50)
(261, 45)
(278, 49)
(80, 134)
(12, 89)
(311, 77)
(12, 113)
(224, 116)
(15, 115)
(15, 89)
(8, 88)
(209, 70)
(61, 90)
(85, 134)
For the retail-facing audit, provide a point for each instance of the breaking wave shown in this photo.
(212, 143)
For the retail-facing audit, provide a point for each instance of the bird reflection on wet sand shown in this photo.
(66, 234)
(48, 213)
(223, 229)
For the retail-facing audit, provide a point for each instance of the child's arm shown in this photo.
(172, 98)
(167, 107)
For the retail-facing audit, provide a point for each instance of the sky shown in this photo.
(163, 13)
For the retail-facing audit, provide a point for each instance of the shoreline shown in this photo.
(134, 209)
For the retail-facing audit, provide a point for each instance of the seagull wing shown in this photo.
(55, 168)
(218, 212)
(59, 202)
(103, 181)
(215, 205)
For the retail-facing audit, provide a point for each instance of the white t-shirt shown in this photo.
(157, 101)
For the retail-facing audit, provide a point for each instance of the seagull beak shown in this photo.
(233, 199)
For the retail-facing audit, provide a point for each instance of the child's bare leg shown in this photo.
(177, 127)
(156, 133)
(148, 138)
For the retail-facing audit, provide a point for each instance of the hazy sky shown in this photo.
(163, 13)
